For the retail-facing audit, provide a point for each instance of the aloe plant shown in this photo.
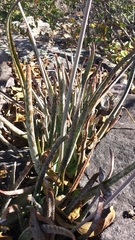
(68, 115)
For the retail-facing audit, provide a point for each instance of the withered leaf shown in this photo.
(75, 213)
(102, 224)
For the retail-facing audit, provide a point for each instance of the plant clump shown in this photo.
(63, 120)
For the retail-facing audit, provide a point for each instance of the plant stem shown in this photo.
(73, 74)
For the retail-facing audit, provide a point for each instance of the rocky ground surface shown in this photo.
(121, 140)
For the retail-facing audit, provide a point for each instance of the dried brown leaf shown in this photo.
(98, 213)
(102, 224)
(75, 213)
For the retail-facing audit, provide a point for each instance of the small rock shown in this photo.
(43, 27)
